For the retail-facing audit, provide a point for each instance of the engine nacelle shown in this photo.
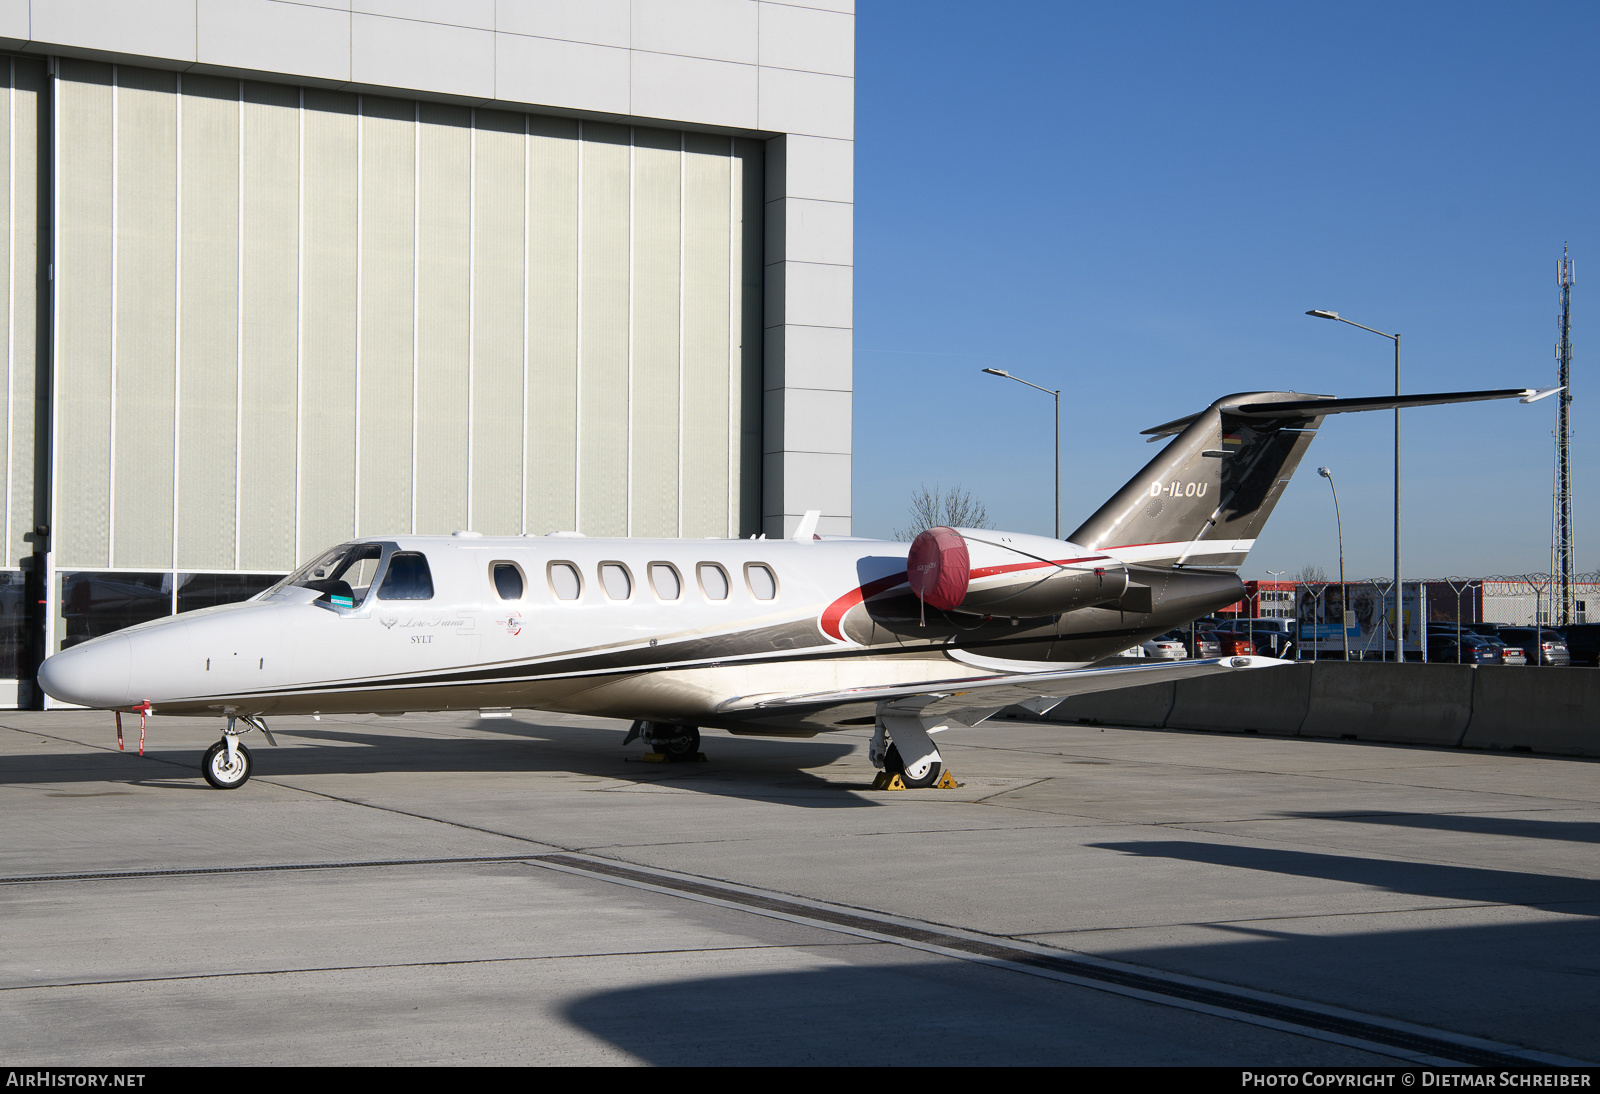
(980, 572)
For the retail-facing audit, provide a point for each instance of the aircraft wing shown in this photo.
(969, 700)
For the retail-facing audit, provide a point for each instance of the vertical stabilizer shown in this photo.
(1204, 498)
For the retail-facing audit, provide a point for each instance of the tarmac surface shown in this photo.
(440, 889)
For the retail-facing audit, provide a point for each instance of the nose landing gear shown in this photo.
(227, 764)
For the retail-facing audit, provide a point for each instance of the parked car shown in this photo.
(1469, 649)
(1166, 647)
(1542, 645)
(1583, 643)
(1202, 642)
(1274, 637)
(1233, 644)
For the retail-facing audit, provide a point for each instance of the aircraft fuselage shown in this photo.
(630, 628)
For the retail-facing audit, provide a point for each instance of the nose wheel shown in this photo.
(226, 765)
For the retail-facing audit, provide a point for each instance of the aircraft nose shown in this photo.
(94, 674)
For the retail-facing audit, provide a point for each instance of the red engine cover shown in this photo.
(938, 568)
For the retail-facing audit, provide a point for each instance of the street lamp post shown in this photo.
(1344, 593)
(1399, 589)
(1057, 394)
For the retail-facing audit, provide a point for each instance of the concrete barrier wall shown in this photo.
(1406, 704)
(1145, 707)
(1543, 710)
(1269, 701)
(1554, 711)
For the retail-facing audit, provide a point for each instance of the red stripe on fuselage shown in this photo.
(834, 613)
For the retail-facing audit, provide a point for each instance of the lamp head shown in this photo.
(997, 372)
(1324, 472)
(1323, 314)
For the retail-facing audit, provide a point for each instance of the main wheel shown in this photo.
(893, 763)
(219, 773)
(682, 747)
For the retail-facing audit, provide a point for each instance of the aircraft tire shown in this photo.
(893, 763)
(215, 767)
(684, 747)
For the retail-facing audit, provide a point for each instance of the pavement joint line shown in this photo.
(262, 868)
(310, 969)
(1390, 1037)
(1223, 924)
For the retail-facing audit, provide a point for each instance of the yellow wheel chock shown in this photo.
(888, 780)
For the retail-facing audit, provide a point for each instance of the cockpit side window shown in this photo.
(341, 575)
(408, 578)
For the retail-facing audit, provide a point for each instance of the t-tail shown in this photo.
(1203, 500)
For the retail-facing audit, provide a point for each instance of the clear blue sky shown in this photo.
(1137, 203)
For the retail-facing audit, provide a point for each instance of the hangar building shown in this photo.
(278, 273)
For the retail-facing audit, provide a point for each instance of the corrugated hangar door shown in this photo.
(286, 317)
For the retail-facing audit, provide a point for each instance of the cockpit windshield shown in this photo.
(342, 575)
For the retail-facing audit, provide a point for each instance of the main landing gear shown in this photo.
(673, 744)
(227, 763)
(902, 732)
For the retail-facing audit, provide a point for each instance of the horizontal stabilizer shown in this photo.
(1327, 404)
(1294, 408)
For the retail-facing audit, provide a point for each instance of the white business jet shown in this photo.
(755, 636)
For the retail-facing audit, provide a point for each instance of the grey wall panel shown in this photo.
(749, 173)
(146, 318)
(388, 281)
(269, 303)
(83, 310)
(654, 403)
(23, 345)
(552, 259)
(328, 322)
(708, 201)
(444, 256)
(208, 321)
(497, 314)
(603, 333)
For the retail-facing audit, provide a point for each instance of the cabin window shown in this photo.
(616, 580)
(713, 581)
(408, 578)
(665, 580)
(565, 581)
(508, 580)
(759, 576)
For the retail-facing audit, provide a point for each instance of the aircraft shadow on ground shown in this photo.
(761, 770)
(862, 1015)
(1531, 984)
(1572, 895)
(1521, 827)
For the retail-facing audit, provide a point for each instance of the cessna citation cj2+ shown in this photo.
(755, 636)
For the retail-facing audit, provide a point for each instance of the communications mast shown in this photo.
(1563, 539)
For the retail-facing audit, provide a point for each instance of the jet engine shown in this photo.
(985, 573)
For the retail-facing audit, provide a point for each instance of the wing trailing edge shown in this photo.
(971, 699)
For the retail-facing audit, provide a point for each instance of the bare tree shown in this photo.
(1311, 573)
(955, 508)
